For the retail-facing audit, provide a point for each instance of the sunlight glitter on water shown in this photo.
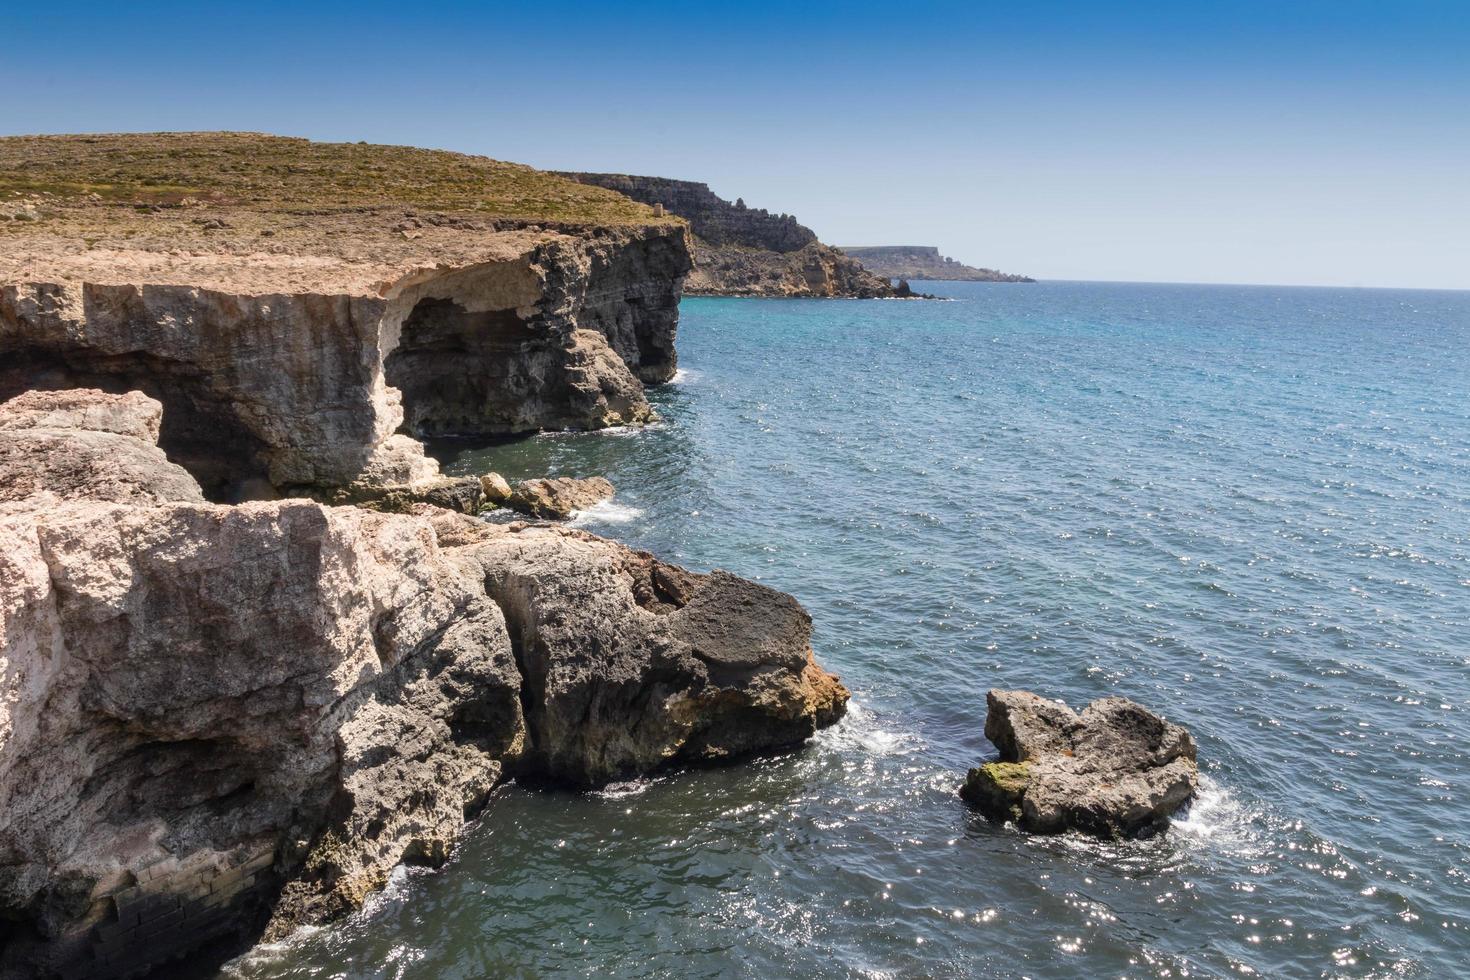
(1247, 508)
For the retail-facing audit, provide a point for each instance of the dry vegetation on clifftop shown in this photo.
(303, 215)
(283, 174)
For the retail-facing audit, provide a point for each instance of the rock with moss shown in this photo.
(1114, 770)
(997, 788)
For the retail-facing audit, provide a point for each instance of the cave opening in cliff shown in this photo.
(200, 430)
(461, 372)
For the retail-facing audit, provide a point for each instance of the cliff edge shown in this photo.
(741, 251)
(224, 714)
(300, 309)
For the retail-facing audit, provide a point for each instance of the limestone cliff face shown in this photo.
(300, 308)
(817, 270)
(177, 769)
(222, 721)
(302, 387)
(712, 219)
(740, 251)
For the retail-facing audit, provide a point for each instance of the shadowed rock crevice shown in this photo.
(201, 430)
(464, 373)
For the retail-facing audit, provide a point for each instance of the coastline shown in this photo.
(182, 773)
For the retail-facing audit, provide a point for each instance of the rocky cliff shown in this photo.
(741, 251)
(295, 305)
(223, 719)
(922, 262)
(179, 770)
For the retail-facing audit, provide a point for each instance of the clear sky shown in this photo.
(1280, 142)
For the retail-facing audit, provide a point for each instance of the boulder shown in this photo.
(494, 490)
(87, 444)
(558, 498)
(1115, 770)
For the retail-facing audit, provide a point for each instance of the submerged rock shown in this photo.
(226, 721)
(1115, 770)
(558, 498)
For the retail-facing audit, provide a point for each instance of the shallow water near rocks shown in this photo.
(1246, 507)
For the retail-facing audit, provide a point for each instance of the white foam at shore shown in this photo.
(606, 512)
(858, 730)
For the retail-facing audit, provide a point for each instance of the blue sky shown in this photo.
(1307, 142)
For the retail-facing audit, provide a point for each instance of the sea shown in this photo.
(1247, 508)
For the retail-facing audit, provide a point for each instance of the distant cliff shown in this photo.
(922, 262)
(741, 251)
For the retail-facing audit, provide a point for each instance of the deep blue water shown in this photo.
(1248, 508)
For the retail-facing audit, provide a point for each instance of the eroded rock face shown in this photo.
(1116, 769)
(86, 443)
(263, 382)
(222, 720)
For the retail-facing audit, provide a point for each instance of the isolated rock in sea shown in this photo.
(558, 498)
(1115, 770)
(290, 351)
(221, 721)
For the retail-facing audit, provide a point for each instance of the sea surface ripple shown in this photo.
(1246, 507)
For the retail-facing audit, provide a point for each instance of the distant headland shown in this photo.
(922, 262)
(743, 251)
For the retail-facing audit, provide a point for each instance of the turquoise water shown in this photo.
(1246, 507)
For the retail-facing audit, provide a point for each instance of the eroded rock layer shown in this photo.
(218, 721)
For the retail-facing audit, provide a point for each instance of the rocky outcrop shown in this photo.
(817, 270)
(558, 498)
(1114, 770)
(73, 442)
(293, 340)
(922, 262)
(740, 251)
(494, 489)
(178, 770)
